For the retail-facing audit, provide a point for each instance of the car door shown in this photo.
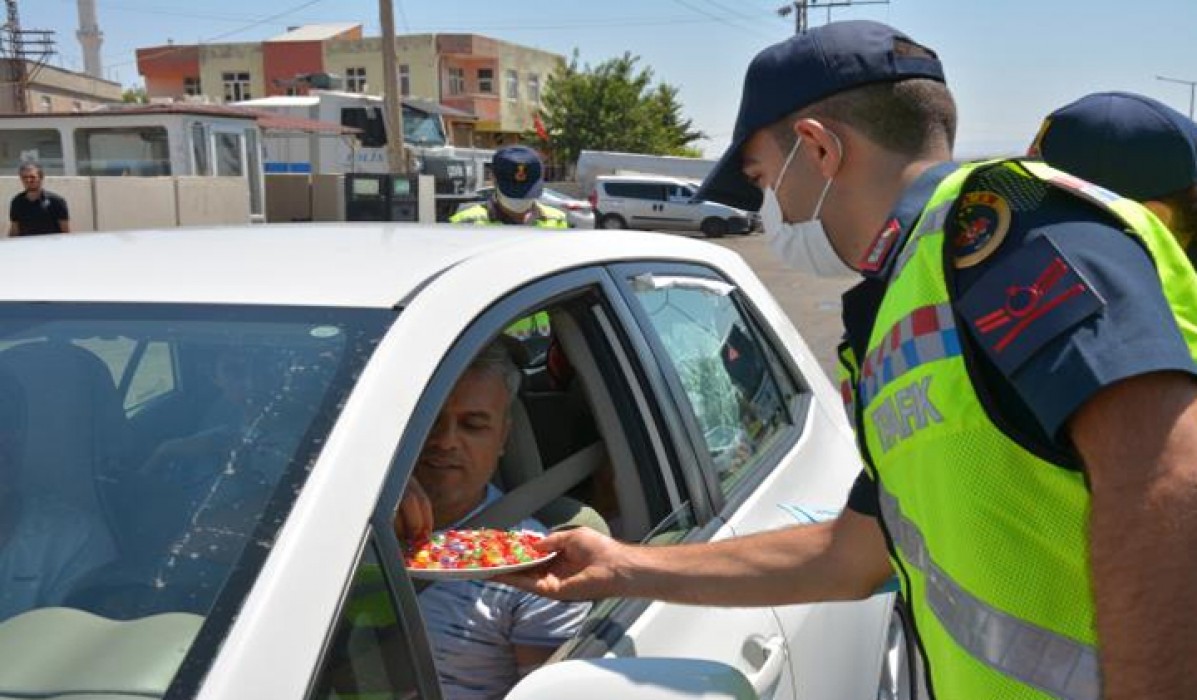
(749, 639)
(769, 454)
(680, 212)
(646, 206)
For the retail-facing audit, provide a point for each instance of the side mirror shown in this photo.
(634, 679)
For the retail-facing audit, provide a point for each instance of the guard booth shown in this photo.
(382, 197)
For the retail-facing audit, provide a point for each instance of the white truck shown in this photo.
(458, 172)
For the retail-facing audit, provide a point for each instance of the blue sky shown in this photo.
(1008, 62)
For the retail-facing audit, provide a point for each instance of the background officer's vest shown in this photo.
(479, 214)
(990, 541)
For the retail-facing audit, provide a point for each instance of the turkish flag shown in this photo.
(542, 132)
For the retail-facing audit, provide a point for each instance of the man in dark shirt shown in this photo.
(37, 211)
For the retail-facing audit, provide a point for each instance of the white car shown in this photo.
(217, 425)
(658, 202)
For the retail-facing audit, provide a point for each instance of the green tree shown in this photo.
(613, 106)
(135, 95)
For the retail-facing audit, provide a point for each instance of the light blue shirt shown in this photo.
(475, 625)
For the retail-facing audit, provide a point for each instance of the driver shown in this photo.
(485, 635)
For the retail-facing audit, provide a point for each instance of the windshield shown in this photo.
(148, 457)
(421, 128)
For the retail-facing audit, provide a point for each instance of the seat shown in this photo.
(530, 488)
(75, 424)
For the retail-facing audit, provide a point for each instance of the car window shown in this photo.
(368, 655)
(636, 190)
(169, 508)
(722, 367)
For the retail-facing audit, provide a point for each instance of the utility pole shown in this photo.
(1192, 88)
(25, 51)
(799, 8)
(391, 100)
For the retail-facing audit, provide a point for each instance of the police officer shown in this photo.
(1019, 355)
(519, 180)
(1133, 145)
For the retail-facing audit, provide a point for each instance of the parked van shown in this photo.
(653, 202)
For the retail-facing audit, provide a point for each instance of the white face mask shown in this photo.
(803, 246)
(515, 206)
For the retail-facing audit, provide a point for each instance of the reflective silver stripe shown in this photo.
(1040, 658)
(932, 221)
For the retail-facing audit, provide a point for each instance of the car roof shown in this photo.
(338, 264)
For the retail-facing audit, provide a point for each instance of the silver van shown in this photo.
(659, 203)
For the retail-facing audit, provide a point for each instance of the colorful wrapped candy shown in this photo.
(482, 548)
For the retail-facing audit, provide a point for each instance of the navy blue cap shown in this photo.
(807, 68)
(1128, 143)
(518, 172)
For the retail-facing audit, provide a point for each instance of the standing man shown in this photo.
(1133, 145)
(519, 180)
(36, 211)
(1019, 363)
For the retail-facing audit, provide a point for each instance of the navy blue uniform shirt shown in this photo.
(1117, 325)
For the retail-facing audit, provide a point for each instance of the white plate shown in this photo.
(475, 574)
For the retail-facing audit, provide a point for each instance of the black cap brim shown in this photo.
(726, 183)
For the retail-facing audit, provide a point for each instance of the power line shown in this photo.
(403, 16)
(702, 11)
(232, 32)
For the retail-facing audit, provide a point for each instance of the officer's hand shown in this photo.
(588, 566)
(413, 517)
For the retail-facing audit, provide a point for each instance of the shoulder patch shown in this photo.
(981, 223)
(1026, 301)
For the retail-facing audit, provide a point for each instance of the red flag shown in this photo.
(542, 132)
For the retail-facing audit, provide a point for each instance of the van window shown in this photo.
(636, 190)
(370, 121)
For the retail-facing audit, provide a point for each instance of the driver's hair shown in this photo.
(496, 359)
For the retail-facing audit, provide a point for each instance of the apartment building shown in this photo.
(499, 83)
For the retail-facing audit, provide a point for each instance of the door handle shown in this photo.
(768, 657)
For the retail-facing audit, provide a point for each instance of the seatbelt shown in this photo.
(534, 494)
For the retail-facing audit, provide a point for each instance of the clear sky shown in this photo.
(1008, 61)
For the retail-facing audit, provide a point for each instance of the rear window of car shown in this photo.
(635, 190)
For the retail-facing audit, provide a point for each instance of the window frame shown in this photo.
(355, 79)
(796, 406)
(236, 86)
(512, 82)
(486, 83)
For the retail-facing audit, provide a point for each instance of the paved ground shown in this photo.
(812, 303)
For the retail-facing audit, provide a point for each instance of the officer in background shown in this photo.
(519, 180)
(1019, 364)
(1133, 145)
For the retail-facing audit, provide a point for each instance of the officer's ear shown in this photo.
(820, 145)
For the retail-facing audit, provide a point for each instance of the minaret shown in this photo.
(90, 38)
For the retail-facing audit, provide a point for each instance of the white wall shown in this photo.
(125, 203)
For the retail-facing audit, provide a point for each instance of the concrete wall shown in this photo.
(211, 201)
(328, 198)
(124, 203)
(288, 198)
(76, 191)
